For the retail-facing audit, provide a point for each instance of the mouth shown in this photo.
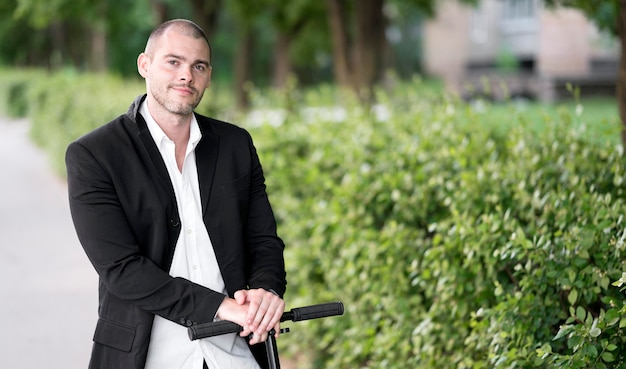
(184, 90)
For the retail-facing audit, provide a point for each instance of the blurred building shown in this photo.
(509, 48)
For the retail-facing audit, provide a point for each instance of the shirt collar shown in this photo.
(157, 133)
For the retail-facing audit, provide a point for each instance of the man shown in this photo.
(171, 209)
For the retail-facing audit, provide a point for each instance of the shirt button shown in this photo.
(189, 231)
(195, 267)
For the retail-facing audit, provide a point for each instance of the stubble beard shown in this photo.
(160, 95)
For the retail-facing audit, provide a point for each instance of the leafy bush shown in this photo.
(453, 244)
(455, 237)
(13, 91)
(65, 105)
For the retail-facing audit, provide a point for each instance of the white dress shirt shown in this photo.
(194, 259)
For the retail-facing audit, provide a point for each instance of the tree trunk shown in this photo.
(59, 52)
(340, 44)
(206, 14)
(621, 79)
(161, 10)
(98, 60)
(370, 37)
(242, 67)
(282, 64)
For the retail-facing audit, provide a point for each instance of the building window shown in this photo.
(519, 9)
(519, 15)
(478, 26)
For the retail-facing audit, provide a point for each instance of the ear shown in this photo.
(143, 62)
(208, 83)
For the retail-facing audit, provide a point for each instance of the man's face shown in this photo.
(177, 72)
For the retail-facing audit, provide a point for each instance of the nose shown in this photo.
(186, 75)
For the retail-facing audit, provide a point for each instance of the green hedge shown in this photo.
(454, 243)
(64, 105)
(14, 88)
(456, 238)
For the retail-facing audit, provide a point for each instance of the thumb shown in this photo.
(240, 297)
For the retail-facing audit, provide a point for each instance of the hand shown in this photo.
(232, 311)
(264, 312)
(257, 311)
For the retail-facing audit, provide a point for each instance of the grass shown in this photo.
(598, 115)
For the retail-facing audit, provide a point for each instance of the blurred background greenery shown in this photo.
(459, 231)
(254, 42)
(265, 42)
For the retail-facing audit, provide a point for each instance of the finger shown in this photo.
(259, 303)
(240, 297)
(276, 330)
(246, 332)
(274, 320)
(258, 338)
(272, 316)
(255, 301)
(259, 323)
(277, 308)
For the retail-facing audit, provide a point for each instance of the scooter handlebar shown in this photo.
(296, 314)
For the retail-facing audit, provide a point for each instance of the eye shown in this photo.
(200, 67)
(172, 62)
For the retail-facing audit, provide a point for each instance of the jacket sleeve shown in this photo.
(111, 245)
(265, 248)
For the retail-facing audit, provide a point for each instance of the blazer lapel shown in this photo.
(154, 157)
(206, 161)
(151, 155)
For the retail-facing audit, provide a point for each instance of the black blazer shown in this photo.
(125, 214)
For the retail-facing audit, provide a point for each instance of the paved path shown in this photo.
(48, 296)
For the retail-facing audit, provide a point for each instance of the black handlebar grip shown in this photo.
(212, 329)
(317, 311)
(297, 314)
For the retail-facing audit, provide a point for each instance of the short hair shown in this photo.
(185, 26)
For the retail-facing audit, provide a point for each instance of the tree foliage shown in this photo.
(603, 13)
(290, 38)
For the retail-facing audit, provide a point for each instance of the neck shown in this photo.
(175, 126)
